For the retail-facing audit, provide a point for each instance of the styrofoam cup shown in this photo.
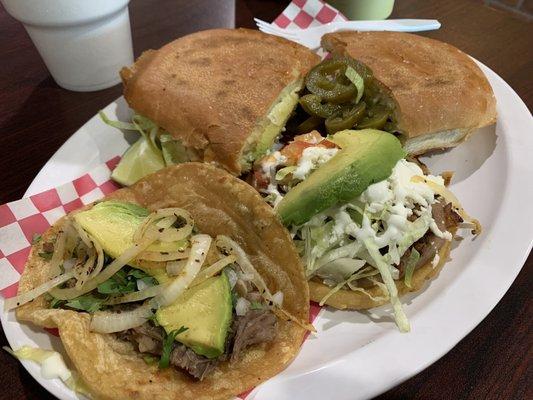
(84, 43)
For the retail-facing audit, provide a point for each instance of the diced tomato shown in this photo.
(293, 151)
(260, 180)
(327, 144)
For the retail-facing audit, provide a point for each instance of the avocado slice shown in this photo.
(206, 310)
(366, 157)
(268, 128)
(113, 224)
(141, 159)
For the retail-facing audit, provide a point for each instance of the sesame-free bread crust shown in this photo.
(435, 86)
(211, 88)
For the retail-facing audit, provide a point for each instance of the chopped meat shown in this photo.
(148, 345)
(430, 244)
(185, 358)
(257, 326)
(70, 283)
(149, 339)
(416, 160)
(451, 218)
(254, 296)
(242, 287)
(48, 247)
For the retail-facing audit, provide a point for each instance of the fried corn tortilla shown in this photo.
(219, 204)
(352, 300)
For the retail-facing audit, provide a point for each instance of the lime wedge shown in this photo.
(139, 160)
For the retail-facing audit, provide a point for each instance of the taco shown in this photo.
(369, 223)
(185, 285)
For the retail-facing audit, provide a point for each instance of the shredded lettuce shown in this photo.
(357, 80)
(416, 231)
(368, 236)
(126, 126)
(410, 266)
(283, 172)
(340, 269)
(366, 272)
(383, 267)
(173, 150)
(350, 250)
(154, 150)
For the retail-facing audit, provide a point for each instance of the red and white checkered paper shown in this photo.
(302, 14)
(22, 219)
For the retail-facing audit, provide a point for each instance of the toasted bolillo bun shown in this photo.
(220, 91)
(439, 94)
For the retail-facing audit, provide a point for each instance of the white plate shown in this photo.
(359, 355)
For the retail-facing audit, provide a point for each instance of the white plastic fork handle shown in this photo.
(396, 25)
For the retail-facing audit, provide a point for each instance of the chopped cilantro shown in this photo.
(56, 303)
(86, 302)
(255, 305)
(46, 255)
(168, 342)
(36, 238)
(125, 281)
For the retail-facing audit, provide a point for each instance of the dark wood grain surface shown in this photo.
(36, 117)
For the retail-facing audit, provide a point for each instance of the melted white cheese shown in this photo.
(392, 202)
(311, 159)
(268, 168)
(435, 260)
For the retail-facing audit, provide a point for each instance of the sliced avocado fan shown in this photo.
(366, 157)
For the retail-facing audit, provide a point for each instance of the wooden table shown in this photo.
(36, 117)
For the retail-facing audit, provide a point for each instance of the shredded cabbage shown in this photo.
(410, 266)
(357, 80)
(154, 150)
(368, 236)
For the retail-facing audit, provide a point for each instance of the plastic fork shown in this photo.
(310, 37)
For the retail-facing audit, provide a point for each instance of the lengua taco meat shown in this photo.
(185, 285)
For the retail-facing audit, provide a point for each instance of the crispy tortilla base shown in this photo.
(219, 204)
(348, 299)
